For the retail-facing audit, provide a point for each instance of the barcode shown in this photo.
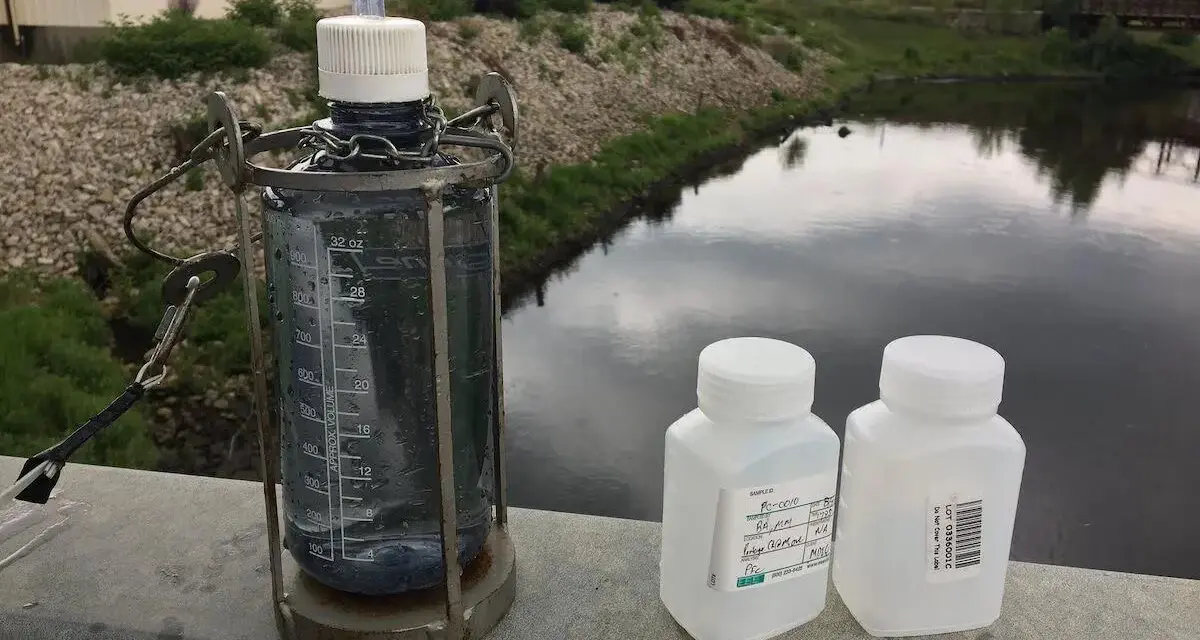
(968, 534)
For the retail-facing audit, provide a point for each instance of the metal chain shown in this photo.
(335, 148)
(320, 140)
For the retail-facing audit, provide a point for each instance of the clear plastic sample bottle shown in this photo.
(748, 496)
(930, 478)
(347, 288)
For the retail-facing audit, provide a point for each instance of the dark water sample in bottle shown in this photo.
(347, 282)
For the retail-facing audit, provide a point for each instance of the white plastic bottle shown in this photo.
(748, 497)
(930, 477)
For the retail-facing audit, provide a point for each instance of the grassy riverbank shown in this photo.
(547, 216)
(869, 40)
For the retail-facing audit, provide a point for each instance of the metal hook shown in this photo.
(170, 328)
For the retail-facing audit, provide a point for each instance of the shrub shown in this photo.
(573, 35)
(194, 180)
(174, 44)
(1058, 48)
(522, 9)
(299, 28)
(1113, 52)
(55, 350)
(569, 6)
(468, 31)
(435, 10)
(262, 13)
(532, 29)
(648, 28)
(785, 51)
(722, 9)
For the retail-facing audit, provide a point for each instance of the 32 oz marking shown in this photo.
(342, 242)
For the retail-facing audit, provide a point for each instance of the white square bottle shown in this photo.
(748, 496)
(930, 478)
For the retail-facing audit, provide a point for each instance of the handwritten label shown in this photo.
(771, 533)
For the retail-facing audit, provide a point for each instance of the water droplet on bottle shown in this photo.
(290, 391)
(279, 316)
(312, 286)
(279, 254)
(312, 322)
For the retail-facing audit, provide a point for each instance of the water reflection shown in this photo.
(910, 224)
(794, 150)
(1077, 136)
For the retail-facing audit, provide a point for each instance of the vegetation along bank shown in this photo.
(619, 102)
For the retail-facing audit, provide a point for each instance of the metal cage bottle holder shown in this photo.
(475, 601)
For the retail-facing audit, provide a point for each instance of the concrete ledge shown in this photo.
(133, 555)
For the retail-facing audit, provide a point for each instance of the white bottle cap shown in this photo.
(754, 379)
(941, 376)
(369, 59)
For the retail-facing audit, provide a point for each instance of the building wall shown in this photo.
(94, 13)
(62, 13)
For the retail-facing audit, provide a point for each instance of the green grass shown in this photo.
(886, 38)
(216, 330)
(567, 202)
(878, 43)
(59, 372)
(1180, 44)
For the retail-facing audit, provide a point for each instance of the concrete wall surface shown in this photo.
(139, 555)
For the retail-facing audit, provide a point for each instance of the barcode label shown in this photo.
(968, 534)
(954, 548)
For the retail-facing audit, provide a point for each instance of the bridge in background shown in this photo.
(1143, 14)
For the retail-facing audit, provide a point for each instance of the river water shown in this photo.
(1058, 224)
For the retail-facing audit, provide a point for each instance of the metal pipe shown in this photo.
(500, 481)
(266, 441)
(435, 248)
(12, 22)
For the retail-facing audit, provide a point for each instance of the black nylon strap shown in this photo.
(39, 491)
